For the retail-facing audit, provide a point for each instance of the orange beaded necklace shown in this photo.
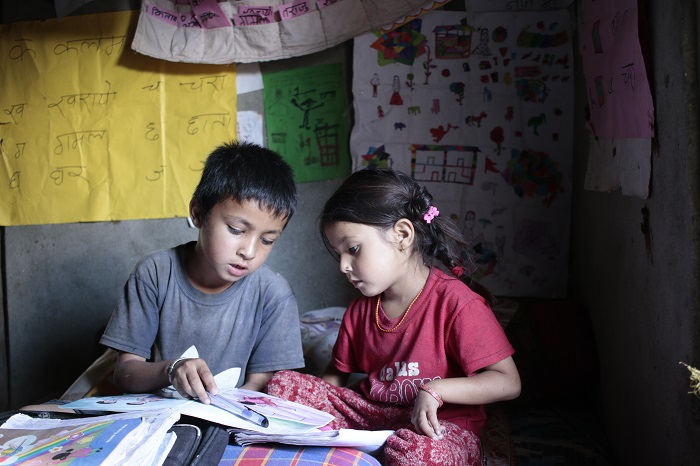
(376, 314)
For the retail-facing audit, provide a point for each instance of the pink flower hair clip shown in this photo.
(431, 214)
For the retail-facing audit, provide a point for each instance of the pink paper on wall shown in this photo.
(618, 92)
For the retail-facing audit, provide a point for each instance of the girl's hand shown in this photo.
(424, 416)
(193, 379)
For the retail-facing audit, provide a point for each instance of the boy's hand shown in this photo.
(192, 378)
(425, 418)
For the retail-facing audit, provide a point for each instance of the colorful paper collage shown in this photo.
(479, 108)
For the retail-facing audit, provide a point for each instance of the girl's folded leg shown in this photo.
(406, 447)
(350, 408)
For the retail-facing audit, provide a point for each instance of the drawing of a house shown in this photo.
(453, 41)
(446, 164)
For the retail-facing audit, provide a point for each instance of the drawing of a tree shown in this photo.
(428, 64)
(498, 137)
(458, 89)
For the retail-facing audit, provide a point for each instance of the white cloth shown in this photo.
(171, 30)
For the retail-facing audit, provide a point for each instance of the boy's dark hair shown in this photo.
(243, 171)
(380, 197)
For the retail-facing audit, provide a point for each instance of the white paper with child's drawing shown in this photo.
(478, 107)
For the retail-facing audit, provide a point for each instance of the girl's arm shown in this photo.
(497, 382)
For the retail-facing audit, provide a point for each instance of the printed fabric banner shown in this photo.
(91, 131)
(479, 108)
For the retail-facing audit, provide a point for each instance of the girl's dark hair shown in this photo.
(380, 197)
(247, 172)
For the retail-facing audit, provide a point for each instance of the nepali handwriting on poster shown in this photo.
(618, 92)
(479, 109)
(307, 121)
(91, 131)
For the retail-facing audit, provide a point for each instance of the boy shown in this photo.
(214, 293)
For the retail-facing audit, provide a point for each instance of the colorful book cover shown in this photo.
(86, 444)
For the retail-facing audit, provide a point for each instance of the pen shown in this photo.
(240, 410)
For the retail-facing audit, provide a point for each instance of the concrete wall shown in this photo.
(643, 303)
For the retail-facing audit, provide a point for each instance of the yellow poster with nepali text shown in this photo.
(92, 131)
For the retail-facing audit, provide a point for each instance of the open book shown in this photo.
(283, 417)
(254, 416)
(232, 407)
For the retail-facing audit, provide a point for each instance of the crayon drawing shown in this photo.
(479, 108)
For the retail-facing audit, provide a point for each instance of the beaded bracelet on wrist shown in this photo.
(432, 393)
(171, 368)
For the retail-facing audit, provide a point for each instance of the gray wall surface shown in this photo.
(644, 303)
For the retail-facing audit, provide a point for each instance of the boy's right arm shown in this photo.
(191, 377)
(133, 374)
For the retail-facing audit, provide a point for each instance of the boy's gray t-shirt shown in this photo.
(253, 325)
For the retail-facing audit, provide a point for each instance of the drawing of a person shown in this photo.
(374, 81)
(469, 222)
(396, 87)
(306, 106)
(483, 48)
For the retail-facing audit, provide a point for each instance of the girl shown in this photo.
(431, 347)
